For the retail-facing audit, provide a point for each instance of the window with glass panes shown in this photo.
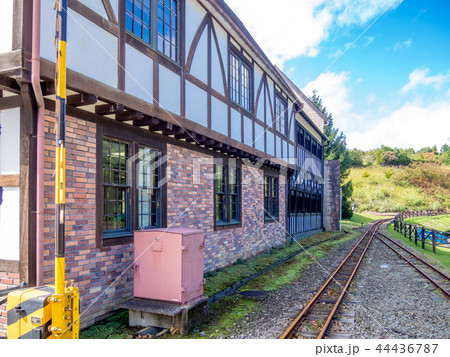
(240, 82)
(155, 22)
(280, 115)
(148, 173)
(270, 197)
(116, 189)
(227, 183)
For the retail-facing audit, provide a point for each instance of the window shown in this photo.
(280, 115)
(240, 82)
(227, 185)
(160, 30)
(270, 198)
(148, 191)
(116, 189)
(131, 193)
(301, 137)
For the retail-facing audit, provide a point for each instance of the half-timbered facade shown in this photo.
(176, 117)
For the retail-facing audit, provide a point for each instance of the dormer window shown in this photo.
(240, 82)
(280, 115)
(156, 23)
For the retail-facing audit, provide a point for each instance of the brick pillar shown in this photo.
(332, 195)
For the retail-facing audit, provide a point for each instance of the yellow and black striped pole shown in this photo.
(60, 181)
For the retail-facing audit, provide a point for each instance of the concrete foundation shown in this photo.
(145, 313)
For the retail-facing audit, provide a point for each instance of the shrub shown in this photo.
(388, 173)
(365, 174)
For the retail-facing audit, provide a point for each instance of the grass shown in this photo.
(231, 310)
(439, 223)
(357, 218)
(221, 279)
(114, 327)
(392, 189)
(441, 258)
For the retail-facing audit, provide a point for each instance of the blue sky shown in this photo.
(391, 87)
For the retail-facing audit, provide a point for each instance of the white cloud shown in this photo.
(411, 126)
(335, 91)
(371, 98)
(297, 27)
(403, 45)
(420, 77)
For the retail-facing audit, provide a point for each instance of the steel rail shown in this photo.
(417, 257)
(301, 317)
(425, 275)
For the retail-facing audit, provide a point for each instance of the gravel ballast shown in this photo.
(389, 299)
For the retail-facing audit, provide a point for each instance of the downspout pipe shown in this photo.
(36, 83)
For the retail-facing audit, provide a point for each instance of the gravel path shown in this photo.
(397, 302)
(279, 309)
(389, 300)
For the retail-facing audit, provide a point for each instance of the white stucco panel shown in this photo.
(278, 141)
(219, 116)
(195, 13)
(91, 50)
(260, 108)
(6, 24)
(236, 125)
(248, 131)
(257, 73)
(10, 142)
(97, 6)
(259, 137)
(115, 7)
(10, 224)
(216, 71)
(169, 90)
(269, 109)
(222, 40)
(199, 67)
(48, 30)
(196, 104)
(138, 74)
(270, 143)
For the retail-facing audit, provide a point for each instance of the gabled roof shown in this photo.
(316, 117)
(311, 111)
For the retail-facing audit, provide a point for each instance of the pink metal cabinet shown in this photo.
(169, 264)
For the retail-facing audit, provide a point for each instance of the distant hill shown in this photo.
(418, 186)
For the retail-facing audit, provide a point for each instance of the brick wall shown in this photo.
(7, 280)
(332, 195)
(92, 269)
(190, 204)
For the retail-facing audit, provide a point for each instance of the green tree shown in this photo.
(335, 148)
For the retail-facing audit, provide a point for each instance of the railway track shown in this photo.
(316, 319)
(428, 271)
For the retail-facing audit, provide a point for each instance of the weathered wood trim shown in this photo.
(92, 16)
(10, 102)
(209, 74)
(10, 61)
(9, 180)
(121, 47)
(9, 85)
(156, 83)
(109, 11)
(195, 41)
(27, 187)
(222, 67)
(10, 266)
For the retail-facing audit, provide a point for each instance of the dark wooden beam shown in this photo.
(210, 143)
(9, 84)
(10, 102)
(162, 125)
(186, 134)
(129, 115)
(10, 61)
(201, 139)
(146, 121)
(176, 130)
(48, 88)
(79, 100)
(110, 12)
(106, 109)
